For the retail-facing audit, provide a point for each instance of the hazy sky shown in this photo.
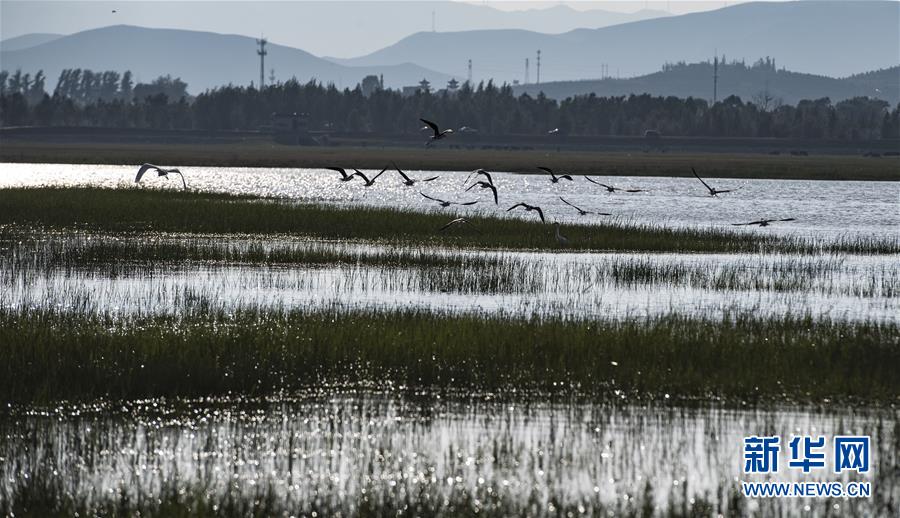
(339, 29)
(627, 6)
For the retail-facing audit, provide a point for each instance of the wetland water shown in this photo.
(823, 209)
(530, 284)
(346, 448)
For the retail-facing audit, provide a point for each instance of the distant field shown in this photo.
(258, 153)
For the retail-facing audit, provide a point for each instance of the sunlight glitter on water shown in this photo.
(823, 209)
(568, 285)
(336, 450)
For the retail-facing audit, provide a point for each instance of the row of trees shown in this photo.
(30, 88)
(85, 87)
(487, 108)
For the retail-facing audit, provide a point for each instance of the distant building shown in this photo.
(423, 86)
(370, 84)
(452, 85)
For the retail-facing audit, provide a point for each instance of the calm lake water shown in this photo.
(823, 209)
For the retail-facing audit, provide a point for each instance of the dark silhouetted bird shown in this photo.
(582, 212)
(553, 177)
(610, 188)
(367, 182)
(479, 172)
(344, 176)
(529, 208)
(412, 181)
(438, 134)
(445, 203)
(485, 185)
(763, 222)
(161, 171)
(712, 192)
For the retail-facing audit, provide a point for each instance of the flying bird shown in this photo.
(367, 182)
(480, 172)
(582, 212)
(438, 134)
(712, 192)
(763, 222)
(529, 208)
(561, 239)
(485, 185)
(458, 221)
(445, 204)
(410, 181)
(610, 188)
(553, 177)
(344, 176)
(161, 171)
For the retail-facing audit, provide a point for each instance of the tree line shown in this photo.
(103, 100)
(86, 86)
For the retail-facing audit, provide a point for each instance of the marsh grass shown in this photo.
(129, 210)
(43, 496)
(438, 269)
(50, 355)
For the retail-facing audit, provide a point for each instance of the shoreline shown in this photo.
(258, 153)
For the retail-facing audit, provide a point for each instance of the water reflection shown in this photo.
(607, 285)
(348, 449)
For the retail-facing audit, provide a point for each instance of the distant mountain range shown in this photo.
(28, 40)
(827, 38)
(747, 82)
(346, 28)
(202, 59)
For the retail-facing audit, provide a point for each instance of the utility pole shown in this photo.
(470, 72)
(433, 24)
(262, 61)
(539, 67)
(716, 78)
(526, 72)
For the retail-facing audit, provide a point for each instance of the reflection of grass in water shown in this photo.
(328, 451)
(448, 270)
(50, 355)
(139, 209)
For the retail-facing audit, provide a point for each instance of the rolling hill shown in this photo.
(28, 40)
(825, 38)
(747, 82)
(202, 59)
(323, 27)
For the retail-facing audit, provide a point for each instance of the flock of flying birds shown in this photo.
(484, 181)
